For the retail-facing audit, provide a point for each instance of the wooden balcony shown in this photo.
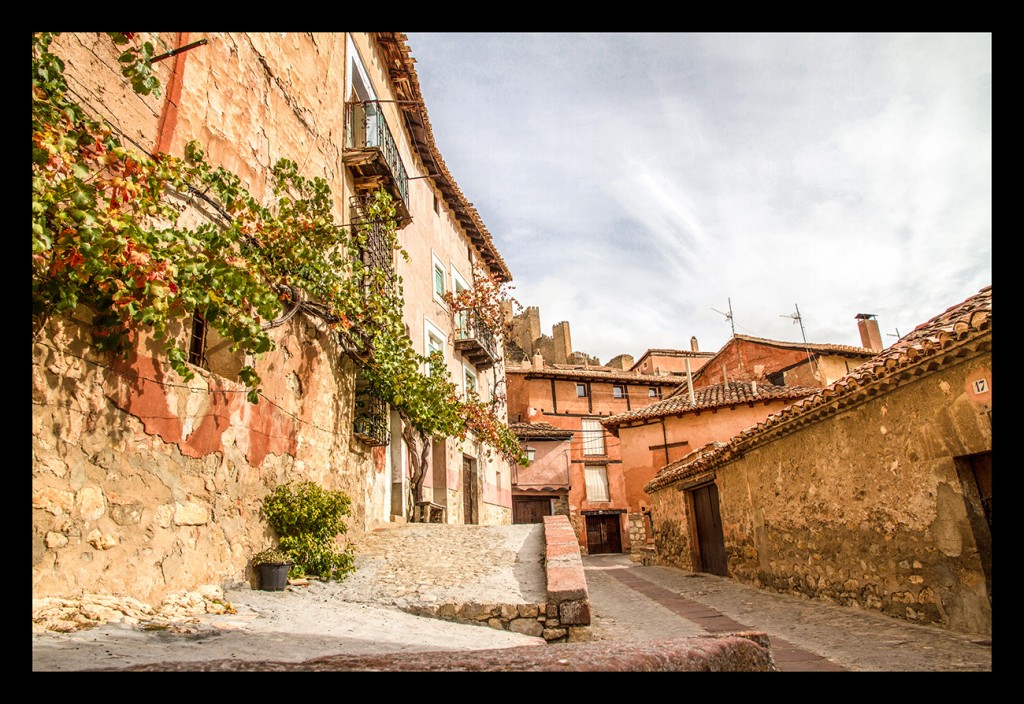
(371, 153)
(477, 344)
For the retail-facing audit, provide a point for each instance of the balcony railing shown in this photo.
(375, 252)
(370, 419)
(372, 152)
(476, 342)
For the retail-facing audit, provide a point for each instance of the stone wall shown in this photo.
(144, 484)
(862, 508)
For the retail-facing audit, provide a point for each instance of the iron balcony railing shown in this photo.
(365, 126)
(370, 419)
(375, 252)
(472, 333)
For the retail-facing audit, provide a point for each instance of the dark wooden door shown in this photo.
(976, 476)
(710, 540)
(469, 497)
(603, 534)
(530, 510)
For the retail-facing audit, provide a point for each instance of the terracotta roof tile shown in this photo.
(923, 349)
(727, 393)
(813, 346)
(608, 374)
(540, 431)
(820, 348)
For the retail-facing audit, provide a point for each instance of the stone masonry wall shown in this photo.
(862, 508)
(144, 484)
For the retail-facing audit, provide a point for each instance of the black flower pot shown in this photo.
(274, 576)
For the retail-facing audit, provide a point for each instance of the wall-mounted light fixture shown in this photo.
(531, 452)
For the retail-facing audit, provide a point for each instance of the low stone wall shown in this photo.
(565, 617)
(568, 607)
(738, 652)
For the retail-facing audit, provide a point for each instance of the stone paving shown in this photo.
(633, 607)
(417, 564)
(634, 601)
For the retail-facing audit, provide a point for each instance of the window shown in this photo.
(596, 477)
(470, 381)
(437, 206)
(654, 392)
(581, 390)
(360, 87)
(440, 274)
(462, 319)
(618, 391)
(779, 378)
(593, 437)
(197, 341)
(434, 340)
(211, 351)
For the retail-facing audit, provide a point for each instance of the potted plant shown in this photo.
(273, 566)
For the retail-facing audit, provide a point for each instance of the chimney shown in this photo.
(693, 344)
(538, 362)
(869, 335)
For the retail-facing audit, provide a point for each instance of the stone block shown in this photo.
(574, 613)
(551, 634)
(527, 626)
(580, 634)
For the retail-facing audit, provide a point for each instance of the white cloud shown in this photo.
(636, 183)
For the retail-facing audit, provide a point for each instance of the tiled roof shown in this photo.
(676, 353)
(814, 347)
(843, 350)
(540, 431)
(566, 371)
(729, 393)
(394, 46)
(924, 350)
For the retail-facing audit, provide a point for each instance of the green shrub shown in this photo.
(307, 519)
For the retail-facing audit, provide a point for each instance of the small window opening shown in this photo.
(197, 342)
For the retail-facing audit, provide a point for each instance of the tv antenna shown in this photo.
(897, 335)
(797, 319)
(728, 316)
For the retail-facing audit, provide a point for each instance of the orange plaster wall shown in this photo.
(640, 464)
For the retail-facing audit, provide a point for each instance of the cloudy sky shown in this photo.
(637, 184)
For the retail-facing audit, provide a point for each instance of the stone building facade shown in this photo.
(576, 398)
(746, 358)
(666, 431)
(145, 485)
(875, 492)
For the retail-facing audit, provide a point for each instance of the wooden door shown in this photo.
(603, 534)
(469, 496)
(710, 540)
(530, 509)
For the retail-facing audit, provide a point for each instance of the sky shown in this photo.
(641, 185)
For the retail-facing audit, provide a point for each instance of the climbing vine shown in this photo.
(107, 234)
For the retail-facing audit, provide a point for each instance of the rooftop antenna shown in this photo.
(728, 316)
(797, 319)
(897, 335)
